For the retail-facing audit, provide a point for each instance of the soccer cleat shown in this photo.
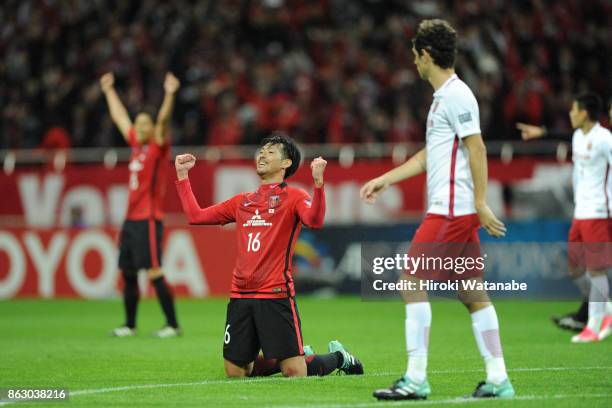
(350, 364)
(586, 336)
(167, 332)
(606, 327)
(123, 331)
(489, 390)
(569, 322)
(308, 351)
(404, 389)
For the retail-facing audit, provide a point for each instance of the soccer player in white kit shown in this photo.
(456, 164)
(590, 236)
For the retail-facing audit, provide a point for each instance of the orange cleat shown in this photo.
(606, 327)
(586, 336)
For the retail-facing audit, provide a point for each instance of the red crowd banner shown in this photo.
(69, 262)
(94, 196)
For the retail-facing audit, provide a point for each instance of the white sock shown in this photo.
(417, 324)
(609, 308)
(486, 332)
(598, 298)
(584, 285)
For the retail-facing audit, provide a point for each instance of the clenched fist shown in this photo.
(318, 168)
(171, 83)
(107, 81)
(184, 163)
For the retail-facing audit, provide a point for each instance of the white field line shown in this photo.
(445, 401)
(94, 391)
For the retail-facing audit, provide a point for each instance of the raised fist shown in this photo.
(184, 163)
(107, 81)
(318, 168)
(171, 83)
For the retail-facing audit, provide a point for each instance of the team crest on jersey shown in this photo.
(274, 201)
(257, 221)
(589, 146)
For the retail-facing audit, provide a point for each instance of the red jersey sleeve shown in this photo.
(222, 213)
(311, 211)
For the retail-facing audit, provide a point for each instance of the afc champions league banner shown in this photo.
(59, 230)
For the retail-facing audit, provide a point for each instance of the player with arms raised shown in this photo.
(141, 234)
(262, 313)
(456, 164)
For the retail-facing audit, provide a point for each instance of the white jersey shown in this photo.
(452, 116)
(592, 156)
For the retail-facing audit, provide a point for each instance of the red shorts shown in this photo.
(589, 244)
(454, 241)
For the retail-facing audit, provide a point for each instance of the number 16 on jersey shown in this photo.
(254, 244)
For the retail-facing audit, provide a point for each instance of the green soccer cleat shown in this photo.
(308, 351)
(350, 364)
(404, 389)
(490, 390)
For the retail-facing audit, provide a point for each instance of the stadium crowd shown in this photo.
(336, 71)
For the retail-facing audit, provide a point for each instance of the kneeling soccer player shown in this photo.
(456, 164)
(262, 313)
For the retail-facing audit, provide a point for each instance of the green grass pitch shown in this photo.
(64, 343)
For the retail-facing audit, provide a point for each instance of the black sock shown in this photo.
(583, 313)
(323, 364)
(130, 297)
(165, 300)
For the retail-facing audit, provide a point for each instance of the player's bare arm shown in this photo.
(416, 165)
(530, 132)
(478, 166)
(118, 113)
(162, 125)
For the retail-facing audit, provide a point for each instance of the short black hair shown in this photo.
(591, 103)
(439, 38)
(290, 150)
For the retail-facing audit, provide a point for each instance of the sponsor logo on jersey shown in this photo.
(465, 117)
(135, 165)
(257, 221)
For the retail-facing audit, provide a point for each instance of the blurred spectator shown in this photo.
(56, 138)
(335, 71)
